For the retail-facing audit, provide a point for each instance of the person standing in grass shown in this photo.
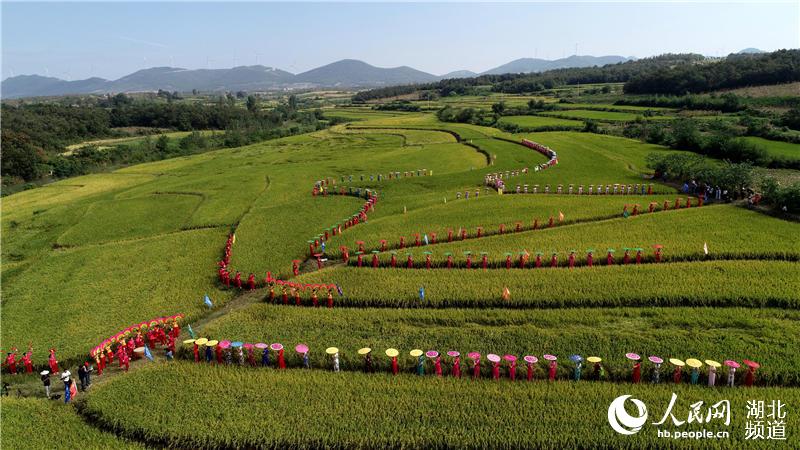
(46, 382)
(53, 361)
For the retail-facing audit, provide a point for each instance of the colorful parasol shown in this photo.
(510, 358)
(550, 357)
(474, 355)
(301, 348)
(415, 353)
(655, 360)
(633, 356)
(712, 363)
(731, 363)
(331, 350)
(677, 362)
(364, 351)
(201, 341)
(431, 353)
(392, 352)
(531, 359)
(225, 344)
(276, 347)
(188, 341)
(751, 364)
(493, 358)
(693, 362)
(453, 353)
(260, 345)
(593, 359)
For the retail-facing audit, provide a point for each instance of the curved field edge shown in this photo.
(701, 283)
(229, 407)
(35, 424)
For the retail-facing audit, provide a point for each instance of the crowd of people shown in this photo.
(238, 353)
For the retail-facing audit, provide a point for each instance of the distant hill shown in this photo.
(354, 73)
(751, 50)
(532, 65)
(459, 74)
(348, 73)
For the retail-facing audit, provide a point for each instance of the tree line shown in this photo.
(34, 136)
(737, 70)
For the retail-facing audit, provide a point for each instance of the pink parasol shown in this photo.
(510, 358)
(731, 363)
(453, 353)
(531, 359)
(301, 348)
(751, 364)
(276, 346)
(248, 346)
(260, 345)
(493, 358)
(431, 353)
(633, 356)
(550, 357)
(655, 360)
(225, 344)
(474, 355)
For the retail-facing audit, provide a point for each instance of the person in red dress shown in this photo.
(237, 281)
(251, 282)
(53, 361)
(281, 360)
(11, 361)
(437, 364)
(553, 368)
(637, 372)
(26, 360)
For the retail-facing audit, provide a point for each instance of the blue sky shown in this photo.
(78, 40)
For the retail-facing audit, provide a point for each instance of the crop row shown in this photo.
(766, 336)
(707, 283)
(223, 407)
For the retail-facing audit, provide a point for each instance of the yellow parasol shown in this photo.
(593, 359)
(188, 341)
(712, 363)
(364, 351)
(331, 350)
(677, 362)
(416, 353)
(392, 352)
(212, 343)
(692, 362)
(201, 341)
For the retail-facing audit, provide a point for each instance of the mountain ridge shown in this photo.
(345, 73)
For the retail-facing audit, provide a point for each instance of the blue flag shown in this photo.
(191, 332)
(207, 301)
(339, 290)
(422, 293)
(147, 353)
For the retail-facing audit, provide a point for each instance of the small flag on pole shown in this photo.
(207, 301)
(560, 216)
(421, 293)
(506, 293)
(147, 353)
(705, 248)
(191, 332)
(233, 240)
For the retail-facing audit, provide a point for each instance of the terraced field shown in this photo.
(86, 257)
